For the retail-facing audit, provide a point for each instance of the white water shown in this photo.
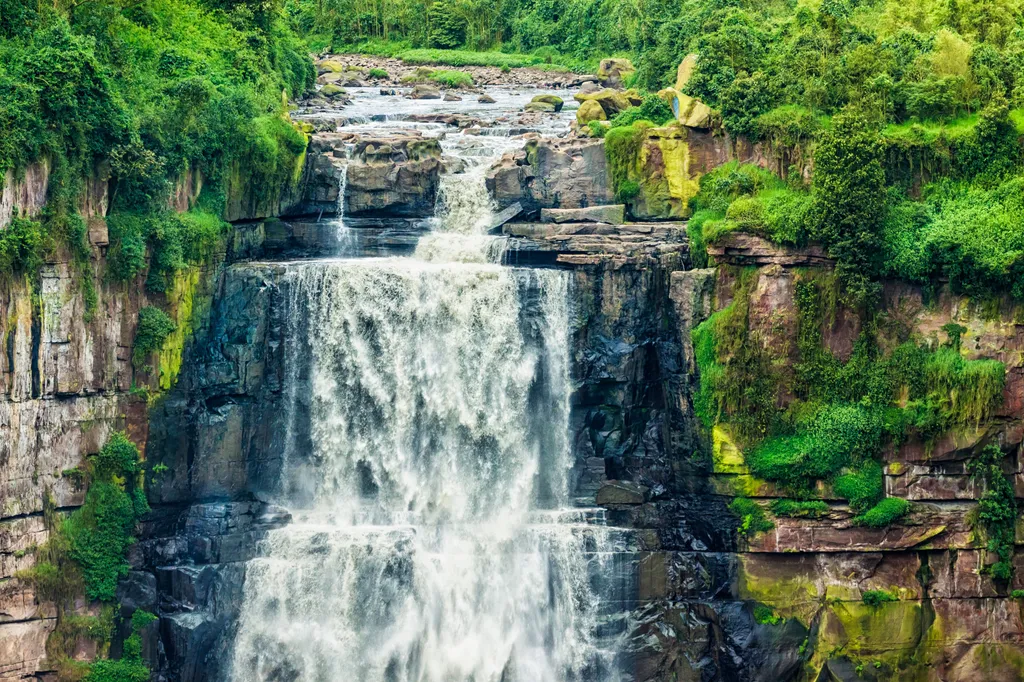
(427, 467)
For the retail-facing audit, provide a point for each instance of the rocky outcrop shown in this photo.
(552, 174)
(396, 177)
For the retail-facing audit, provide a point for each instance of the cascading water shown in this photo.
(428, 470)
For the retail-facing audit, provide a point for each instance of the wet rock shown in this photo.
(553, 100)
(540, 107)
(485, 99)
(451, 97)
(393, 177)
(388, 92)
(589, 87)
(425, 92)
(621, 492)
(353, 83)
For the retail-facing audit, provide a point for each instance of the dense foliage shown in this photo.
(145, 92)
(843, 414)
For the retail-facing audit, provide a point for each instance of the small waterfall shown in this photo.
(432, 540)
(346, 237)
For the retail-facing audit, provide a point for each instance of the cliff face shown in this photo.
(214, 425)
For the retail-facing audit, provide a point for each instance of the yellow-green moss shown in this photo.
(182, 298)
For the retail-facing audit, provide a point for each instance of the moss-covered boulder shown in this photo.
(544, 107)
(329, 65)
(590, 111)
(332, 90)
(554, 100)
(611, 101)
(614, 71)
(689, 111)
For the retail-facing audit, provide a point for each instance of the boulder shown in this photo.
(549, 99)
(329, 77)
(685, 71)
(613, 214)
(590, 111)
(612, 101)
(329, 65)
(614, 71)
(544, 107)
(425, 92)
(485, 99)
(589, 87)
(449, 97)
(332, 90)
(353, 83)
(691, 112)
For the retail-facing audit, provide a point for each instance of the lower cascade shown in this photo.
(429, 474)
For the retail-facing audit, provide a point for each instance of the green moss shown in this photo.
(752, 519)
(765, 615)
(878, 597)
(812, 509)
(863, 487)
(885, 513)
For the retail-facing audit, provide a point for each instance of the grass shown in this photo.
(752, 519)
(810, 509)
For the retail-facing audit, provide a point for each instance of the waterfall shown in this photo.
(432, 540)
(347, 241)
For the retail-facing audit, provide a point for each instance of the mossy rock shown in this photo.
(614, 71)
(329, 65)
(590, 111)
(544, 107)
(685, 71)
(332, 90)
(549, 99)
(612, 101)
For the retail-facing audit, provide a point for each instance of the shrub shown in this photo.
(885, 513)
(376, 73)
(997, 510)
(876, 598)
(862, 487)
(652, 109)
(452, 79)
(154, 328)
(21, 246)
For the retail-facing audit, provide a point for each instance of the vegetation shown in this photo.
(752, 519)
(86, 555)
(813, 509)
(151, 91)
(997, 510)
(844, 413)
(765, 615)
(885, 513)
(878, 597)
(154, 328)
(452, 79)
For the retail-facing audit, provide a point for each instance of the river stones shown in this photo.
(486, 99)
(425, 92)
